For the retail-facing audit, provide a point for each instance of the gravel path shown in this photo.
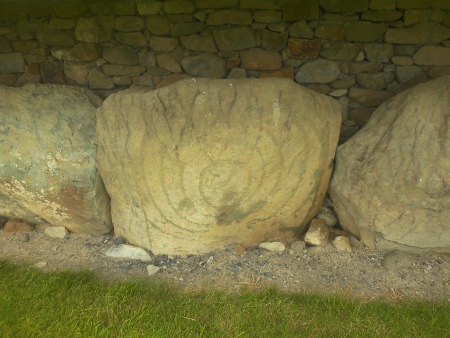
(300, 268)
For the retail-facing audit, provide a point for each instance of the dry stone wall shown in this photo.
(360, 52)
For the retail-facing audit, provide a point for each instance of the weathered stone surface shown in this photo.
(237, 73)
(317, 233)
(340, 51)
(431, 55)
(61, 23)
(11, 63)
(56, 38)
(133, 39)
(147, 58)
(390, 185)
(129, 23)
(404, 49)
(70, 10)
(360, 115)
(321, 88)
(404, 4)
(158, 25)
(317, 71)
(396, 260)
(128, 252)
(170, 79)
(76, 73)
(229, 16)
(272, 246)
(169, 62)
(144, 80)
(382, 4)
(163, 44)
(187, 28)
(199, 43)
(441, 4)
(205, 65)
(258, 59)
(360, 67)
(294, 10)
(301, 29)
(435, 72)
(365, 31)
(123, 70)
(303, 48)
(342, 243)
(286, 72)
(267, 16)
(121, 55)
(98, 80)
(178, 7)
(13, 227)
(52, 72)
(375, 81)
(56, 232)
(413, 16)
(404, 74)
(328, 216)
(124, 8)
(378, 52)
(369, 97)
(340, 6)
(331, 32)
(260, 4)
(216, 3)
(148, 7)
(187, 189)
(274, 41)
(45, 175)
(381, 16)
(94, 29)
(422, 33)
(235, 38)
(402, 60)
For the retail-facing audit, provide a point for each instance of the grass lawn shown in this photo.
(36, 304)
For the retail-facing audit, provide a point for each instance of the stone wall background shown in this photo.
(360, 52)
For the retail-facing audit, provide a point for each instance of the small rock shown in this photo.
(268, 274)
(272, 246)
(342, 243)
(318, 233)
(119, 240)
(152, 269)
(240, 249)
(14, 226)
(128, 251)
(396, 261)
(56, 232)
(40, 265)
(298, 246)
(210, 259)
(328, 216)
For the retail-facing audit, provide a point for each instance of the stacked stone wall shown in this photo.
(360, 52)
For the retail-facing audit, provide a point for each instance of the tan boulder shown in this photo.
(391, 183)
(48, 171)
(203, 163)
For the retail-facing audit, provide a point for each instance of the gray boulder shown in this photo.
(203, 163)
(391, 184)
(48, 171)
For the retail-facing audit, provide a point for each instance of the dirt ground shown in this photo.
(300, 268)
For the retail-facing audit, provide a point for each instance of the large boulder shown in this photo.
(48, 171)
(391, 185)
(204, 163)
